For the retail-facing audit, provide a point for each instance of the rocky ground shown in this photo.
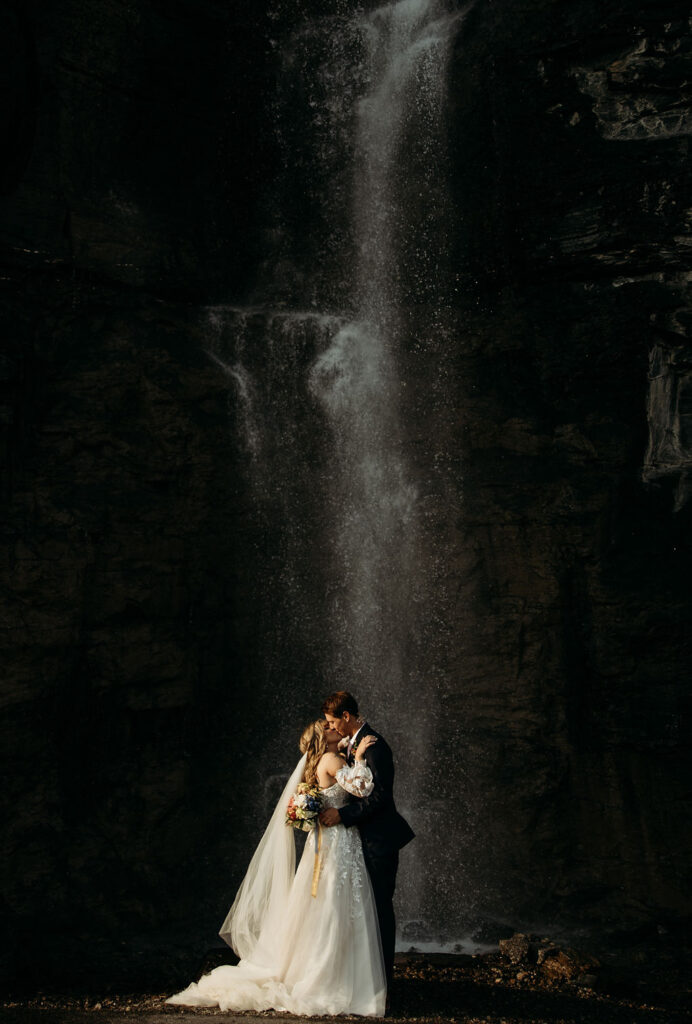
(529, 980)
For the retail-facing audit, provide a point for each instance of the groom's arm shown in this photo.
(379, 760)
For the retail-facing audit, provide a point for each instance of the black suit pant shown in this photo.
(382, 869)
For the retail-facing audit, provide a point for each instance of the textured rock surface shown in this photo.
(145, 619)
(575, 571)
(516, 948)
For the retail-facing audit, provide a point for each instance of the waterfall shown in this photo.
(406, 51)
(356, 379)
(378, 610)
(321, 379)
(374, 509)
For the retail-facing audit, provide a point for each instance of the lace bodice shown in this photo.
(335, 796)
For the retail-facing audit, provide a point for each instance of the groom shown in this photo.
(382, 829)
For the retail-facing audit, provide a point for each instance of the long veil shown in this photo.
(253, 924)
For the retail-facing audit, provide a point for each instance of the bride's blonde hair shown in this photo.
(313, 742)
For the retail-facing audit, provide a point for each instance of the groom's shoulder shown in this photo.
(381, 741)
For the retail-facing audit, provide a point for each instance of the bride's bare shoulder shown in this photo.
(332, 762)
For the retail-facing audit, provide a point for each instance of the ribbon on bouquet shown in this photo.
(318, 850)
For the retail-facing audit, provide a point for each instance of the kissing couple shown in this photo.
(319, 940)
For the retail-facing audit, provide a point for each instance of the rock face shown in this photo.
(573, 563)
(163, 604)
(130, 176)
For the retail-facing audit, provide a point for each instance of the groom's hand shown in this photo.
(330, 816)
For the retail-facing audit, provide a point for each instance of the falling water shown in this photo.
(377, 615)
(357, 379)
(373, 139)
(406, 58)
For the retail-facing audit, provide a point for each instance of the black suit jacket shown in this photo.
(382, 828)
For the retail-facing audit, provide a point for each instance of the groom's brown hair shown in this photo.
(336, 703)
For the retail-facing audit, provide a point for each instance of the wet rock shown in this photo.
(587, 980)
(567, 964)
(515, 948)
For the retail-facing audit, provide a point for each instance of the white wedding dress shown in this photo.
(308, 955)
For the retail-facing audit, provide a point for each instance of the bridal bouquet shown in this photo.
(304, 807)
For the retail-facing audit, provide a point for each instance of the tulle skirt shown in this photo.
(328, 959)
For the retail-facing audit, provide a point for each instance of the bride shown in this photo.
(308, 940)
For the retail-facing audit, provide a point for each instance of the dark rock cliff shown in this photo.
(145, 626)
(574, 230)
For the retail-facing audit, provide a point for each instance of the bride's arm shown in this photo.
(381, 799)
(356, 779)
